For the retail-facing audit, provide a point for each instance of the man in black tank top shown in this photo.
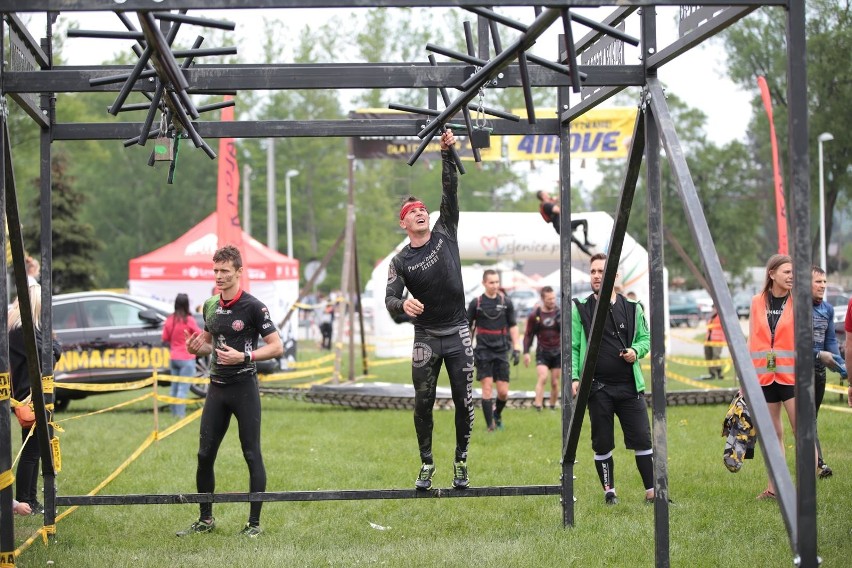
(233, 320)
(430, 267)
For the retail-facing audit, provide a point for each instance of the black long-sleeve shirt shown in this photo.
(432, 272)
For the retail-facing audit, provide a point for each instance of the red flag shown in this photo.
(228, 230)
(780, 204)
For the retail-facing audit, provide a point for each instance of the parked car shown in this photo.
(524, 300)
(115, 338)
(683, 310)
(742, 303)
(704, 301)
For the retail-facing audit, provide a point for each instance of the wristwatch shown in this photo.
(247, 358)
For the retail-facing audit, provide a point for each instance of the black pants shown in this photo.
(241, 400)
(456, 352)
(26, 476)
(608, 401)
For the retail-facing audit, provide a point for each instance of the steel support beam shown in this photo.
(135, 5)
(804, 540)
(302, 496)
(68, 79)
(693, 210)
(291, 128)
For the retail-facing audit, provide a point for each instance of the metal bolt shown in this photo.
(564, 107)
(651, 50)
(499, 75)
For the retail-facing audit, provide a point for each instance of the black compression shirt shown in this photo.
(432, 272)
(238, 326)
(492, 318)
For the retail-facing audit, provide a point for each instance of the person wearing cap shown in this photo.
(429, 266)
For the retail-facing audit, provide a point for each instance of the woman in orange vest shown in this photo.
(771, 342)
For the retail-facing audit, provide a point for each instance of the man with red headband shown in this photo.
(430, 267)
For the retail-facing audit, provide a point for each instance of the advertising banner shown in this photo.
(599, 133)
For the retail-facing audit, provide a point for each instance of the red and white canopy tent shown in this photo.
(186, 265)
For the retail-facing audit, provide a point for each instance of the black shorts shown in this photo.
(621, 400)
(776, 392)
(550, 359)
(490, 364)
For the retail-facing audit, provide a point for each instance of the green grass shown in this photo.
(714, 519)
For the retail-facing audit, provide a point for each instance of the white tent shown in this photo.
(186, 265)
(489, 236)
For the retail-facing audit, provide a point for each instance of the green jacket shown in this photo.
(641, 342)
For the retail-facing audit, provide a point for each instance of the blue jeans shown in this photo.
(181, 390)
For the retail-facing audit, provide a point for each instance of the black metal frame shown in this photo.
(654, 127)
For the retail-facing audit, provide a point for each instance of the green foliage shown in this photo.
(757, 46)
(74, 243)
(732, 197)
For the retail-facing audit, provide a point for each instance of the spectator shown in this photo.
(826, 351)
(771, 341)
(492, 319)
(544, 324)
(713, 344)
(182, 363)
(618, 386)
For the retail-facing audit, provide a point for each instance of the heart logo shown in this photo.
(489, 243)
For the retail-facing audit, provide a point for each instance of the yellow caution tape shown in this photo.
(700, 362)
(46, 531)
(47, 384)
(111, 408)
(6, 479)
(105, 387)
(688, 381)
(179, 424)
(178, 379)
(57, 455)
(294, 375)
(312, 363)
(839, 389)
(173, 400)
(384, 362)
(7, 559)
(5, 386)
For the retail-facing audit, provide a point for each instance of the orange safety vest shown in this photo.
(760, 343)
(715, 333)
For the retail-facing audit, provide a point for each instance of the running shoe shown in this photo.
(498, 422)
(251, 531)
(460, 479)
(198, 527)
(610, 498)
(823, 472)
(424, 478)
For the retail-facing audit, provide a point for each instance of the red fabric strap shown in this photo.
(408, 207)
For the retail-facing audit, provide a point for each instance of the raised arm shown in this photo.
(450, 185)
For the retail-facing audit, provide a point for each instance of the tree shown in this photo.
(74, 242)
(725, 180)
(757, 46)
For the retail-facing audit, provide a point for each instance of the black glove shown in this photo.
(516, 357)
